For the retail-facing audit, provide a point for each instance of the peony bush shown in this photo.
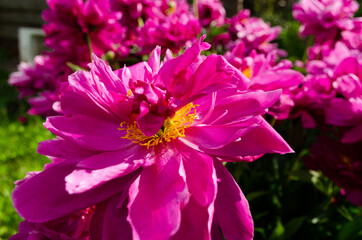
(151, 103)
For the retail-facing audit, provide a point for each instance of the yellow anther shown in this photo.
(172, 128)
(129, 93)
(248, 72)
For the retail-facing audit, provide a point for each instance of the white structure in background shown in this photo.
(31, 43)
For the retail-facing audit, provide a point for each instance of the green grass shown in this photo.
(18, 143)
(18, 155)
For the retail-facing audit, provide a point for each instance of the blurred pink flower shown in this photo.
(324, 18)
(346, 108)
(267, 74)
(173, 30)
(253, 32)
(135, 142)
(211, 11)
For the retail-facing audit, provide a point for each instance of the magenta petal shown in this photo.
(204, 136)
(173, 67)
(157, 197)
(221, 108)
(104, 167)
(110, 220)
(232, 213)
(135, 154)
(88, 132)
(353, 135)
(259, 140)
(62, 149)
(277, 79)
(341, 112)
(216, 70)
(99, 68)
(201, 184)
(42, 206)
(84, 106)
(194, 223)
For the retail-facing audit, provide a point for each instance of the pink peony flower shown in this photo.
(316, 94)
(69, 21)
(346, 108)
(71, 227)
(254, 32)
(324, 18)
(267, 74)
(144, 144)
(353, 37)
(171, 31)
(341, 163)
(211, 12)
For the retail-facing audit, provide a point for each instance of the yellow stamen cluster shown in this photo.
(248, 72)
(172, 128)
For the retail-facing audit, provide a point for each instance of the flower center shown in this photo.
(172, 128)
(248, 72)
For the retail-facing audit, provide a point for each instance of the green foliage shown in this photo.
(288, 201)
(18, 143)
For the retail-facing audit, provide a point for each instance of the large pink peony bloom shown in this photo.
(144, 145)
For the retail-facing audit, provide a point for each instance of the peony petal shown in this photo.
(157, 197)
(201, 184)
(194, 228)
(63, 149)
(215, 70)
(259, 140)
(220, 108)
(88, 132)
(277, 79)
(110, 220)
(42, 206)
(104, 167)
(169, 71)
(232, 213)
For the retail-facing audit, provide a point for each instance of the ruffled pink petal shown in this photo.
(232, 213)
(169, 72)
(104, 167)
(84, 106)
(103, 73)
(60, 148)
(204, 136)
(202, 185)
(259, 140)
(157, 197)
(277, 79)
(42, 206)
(110, 220)
(215, 70)
(220, 108)
(88, 132)
(194, 222)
